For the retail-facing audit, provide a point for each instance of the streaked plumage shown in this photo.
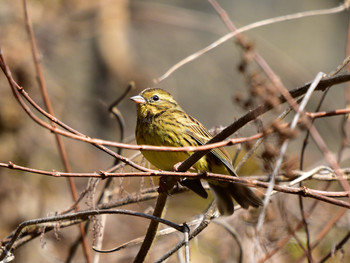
(161, 121)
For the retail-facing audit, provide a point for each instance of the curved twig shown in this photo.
(79, 217)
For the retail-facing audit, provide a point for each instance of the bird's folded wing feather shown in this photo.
(199, 133)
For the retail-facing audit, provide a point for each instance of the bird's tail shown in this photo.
(241, 193)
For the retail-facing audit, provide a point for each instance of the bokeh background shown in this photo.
(91, 50)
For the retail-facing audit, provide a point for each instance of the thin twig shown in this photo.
(258, 142)
(205, 148)
(301, 203)
(106, 195)
(281, 154)
(152, 228)
(345, 128)
(79, 217)
(324, 231)
(136, 198)
(331, 175)
(137, 241)
(233, 233)
(186, 241)
(283, 241)
(60, 145)
(336, 248)
(308, 251)
(18, 91)
(209, 215)
(265, 22)
(248, 117)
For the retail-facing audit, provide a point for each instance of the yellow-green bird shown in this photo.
(162, 122)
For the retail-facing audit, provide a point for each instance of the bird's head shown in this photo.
(152, 102)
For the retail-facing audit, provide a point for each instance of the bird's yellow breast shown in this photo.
(165, 160)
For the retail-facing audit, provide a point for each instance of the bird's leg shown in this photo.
(175, 169)
(176, 166)
(166, 183)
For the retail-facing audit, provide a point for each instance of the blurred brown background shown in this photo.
(90, 50)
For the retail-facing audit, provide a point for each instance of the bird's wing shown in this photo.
(199, 133)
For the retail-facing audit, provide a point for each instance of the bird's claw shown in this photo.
(166, 184)
(176, 166)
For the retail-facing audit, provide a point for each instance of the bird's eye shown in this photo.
(155, 98)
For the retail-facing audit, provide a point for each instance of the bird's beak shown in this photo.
(138, 99)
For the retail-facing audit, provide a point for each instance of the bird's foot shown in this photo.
(166, 184)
